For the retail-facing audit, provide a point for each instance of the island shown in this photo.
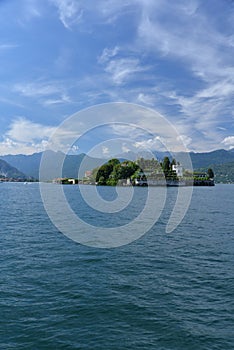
(147, 172)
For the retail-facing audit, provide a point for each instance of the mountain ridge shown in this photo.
(10, 172)
(30, 164)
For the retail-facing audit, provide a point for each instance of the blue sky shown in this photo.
(61, 56)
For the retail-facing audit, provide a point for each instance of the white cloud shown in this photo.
(37, 89)
(125, 148)
(229, 141)
(70, 12)
(107, 54)
(152, 144)
(184, 38)
(185, 139)
(223, 88)
(110, 11)
(128, 131)
(25, 137)
(177, 29)
(105, 150)
(48, 93)
(204, 111)
(121, 70)
(146, 99)
(24, 130)
(133, 68)
(64, 99)
(7, 146)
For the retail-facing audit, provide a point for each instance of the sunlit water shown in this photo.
(163, 291)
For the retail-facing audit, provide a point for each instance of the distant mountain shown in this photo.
(6, 170)
(199, 160)
(74, 166)
(30, 164)
(224, 173)
(212, 158)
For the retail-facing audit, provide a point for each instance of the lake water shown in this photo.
(163, 291)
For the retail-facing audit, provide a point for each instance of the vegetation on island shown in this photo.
(139, 172)
(114, 172)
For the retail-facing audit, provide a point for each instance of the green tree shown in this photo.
(101, 181)
(210, 173)
(166, 166)
(125, 170)
(173, 162)
(104, 172)
(113, 162)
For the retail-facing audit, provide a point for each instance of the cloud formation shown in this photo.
(175, 57)
(70, 12)
(26, 137)
(229, 141)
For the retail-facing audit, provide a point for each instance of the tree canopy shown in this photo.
(114, 171)
(210, 173)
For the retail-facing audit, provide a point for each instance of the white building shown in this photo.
(178, 169)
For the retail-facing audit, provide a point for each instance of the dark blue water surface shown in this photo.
(163, 291)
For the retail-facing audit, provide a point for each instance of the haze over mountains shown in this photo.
(221, 160)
